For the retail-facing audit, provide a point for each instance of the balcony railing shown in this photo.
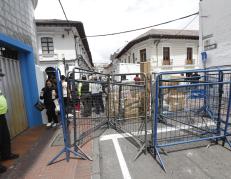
(189, 61)
(167, 62)
(48, 57)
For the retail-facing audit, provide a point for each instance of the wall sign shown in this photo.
(210, 47)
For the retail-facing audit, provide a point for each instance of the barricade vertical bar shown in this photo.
(220, 92)
(156, 115)
(227, 119)
(67, 150)
(146, 112)
(108, 99)
(74, 96)
(155, 124)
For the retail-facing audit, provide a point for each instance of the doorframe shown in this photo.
(28, 76)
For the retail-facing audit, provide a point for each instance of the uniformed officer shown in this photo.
(5, 146)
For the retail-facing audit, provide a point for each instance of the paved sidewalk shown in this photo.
(33, 163)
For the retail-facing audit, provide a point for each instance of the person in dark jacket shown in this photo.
(49, 94)
(5, 145)
(86, 98)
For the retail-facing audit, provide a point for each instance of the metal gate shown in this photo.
(88, 104)
(11, 86)
(128, 106)
(98, 101)
(190, 106)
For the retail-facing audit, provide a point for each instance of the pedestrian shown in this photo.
(95, 91)
(137, 79)
(196, 77)
(101, 90)
(49, 94)
(86, 97)
(5, 146)
(65, 92)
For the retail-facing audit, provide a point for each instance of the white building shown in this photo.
(100, 67)
(57, 41)
(164, 49)
(215, 31)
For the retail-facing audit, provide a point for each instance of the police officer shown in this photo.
(5, 146)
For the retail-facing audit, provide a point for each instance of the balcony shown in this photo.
(167, 64)
(190, 62)
(48, 57)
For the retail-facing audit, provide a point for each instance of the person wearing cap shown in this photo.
(5, 146)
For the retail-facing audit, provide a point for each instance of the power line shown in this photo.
(142, 28)
(181, 30)
(60, 3)
(75, 36)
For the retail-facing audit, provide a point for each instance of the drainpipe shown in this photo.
(156, 42)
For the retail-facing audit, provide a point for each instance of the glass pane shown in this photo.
(44, 44)
(50, 44)
(43, 39)
(50, 40)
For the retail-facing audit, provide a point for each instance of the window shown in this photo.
(166, 56)
(133, 58)
(129, 59)
(143, 55)
(47, 45)
(189, 59)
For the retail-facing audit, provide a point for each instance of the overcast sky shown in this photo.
(107, 16)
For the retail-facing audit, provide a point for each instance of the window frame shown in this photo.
(166, 57)
(143, 55)
(47, 45)
(189, 57)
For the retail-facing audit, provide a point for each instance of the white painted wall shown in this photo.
(215, 24)
(41, 77)
(178, 53)
(64, 46)
(126, 68)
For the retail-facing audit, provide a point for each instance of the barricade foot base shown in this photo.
(141, 150)
(160, 161)
(79, 153)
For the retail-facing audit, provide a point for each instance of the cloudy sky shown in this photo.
(108, 16)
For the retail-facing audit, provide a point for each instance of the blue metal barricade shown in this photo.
(187, 109)
(66, 133)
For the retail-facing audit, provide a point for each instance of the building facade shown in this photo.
(17, 63)
(100, 67)
(215, 32)
(164, 49)
(63, 45)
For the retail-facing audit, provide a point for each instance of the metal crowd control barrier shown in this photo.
(128, 106)
(192, 108)
(66, 134)
(98, 101)
(88, 104)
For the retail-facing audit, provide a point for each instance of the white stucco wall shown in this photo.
(64, 46)
(41, 78)
(178, 53)
(215, 28)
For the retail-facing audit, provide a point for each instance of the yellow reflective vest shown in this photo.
(3, 105)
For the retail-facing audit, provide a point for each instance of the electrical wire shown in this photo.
(181, 30)
(60, 3)
(147, 27)
(132, 30)
(74, 35)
